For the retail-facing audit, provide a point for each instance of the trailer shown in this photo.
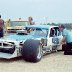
(13, 26)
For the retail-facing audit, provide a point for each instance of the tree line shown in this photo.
(67, 25)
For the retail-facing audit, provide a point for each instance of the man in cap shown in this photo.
(30, 19)
(67, 38)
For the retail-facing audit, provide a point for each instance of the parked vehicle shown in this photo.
(33, 44)
(13, 26)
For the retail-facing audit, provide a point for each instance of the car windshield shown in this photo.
(39, 32)
(22, 32)
(18, 23)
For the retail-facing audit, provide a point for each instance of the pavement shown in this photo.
(54, 62)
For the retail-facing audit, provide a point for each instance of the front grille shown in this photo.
(11, 42)
(21, 44)
(7, 48)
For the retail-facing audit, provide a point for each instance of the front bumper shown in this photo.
(8, 50)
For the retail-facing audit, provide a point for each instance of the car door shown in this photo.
(57, 38)
(52, 39)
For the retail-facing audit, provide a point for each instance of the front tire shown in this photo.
(32, 51)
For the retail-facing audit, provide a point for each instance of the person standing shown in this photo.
(30, 19)
(1, 27)
(67, 38)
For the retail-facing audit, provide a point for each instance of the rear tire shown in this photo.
(31, 50)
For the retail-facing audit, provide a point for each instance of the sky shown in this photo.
(42, 11)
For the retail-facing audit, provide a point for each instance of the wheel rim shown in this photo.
(39, 55)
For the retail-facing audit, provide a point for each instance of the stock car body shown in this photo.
(33, 45)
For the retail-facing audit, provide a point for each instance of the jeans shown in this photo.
(1, 33)
(69, 46)
(68, 49)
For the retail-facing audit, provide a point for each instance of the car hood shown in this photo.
(20, 37)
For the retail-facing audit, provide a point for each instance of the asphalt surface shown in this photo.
(54, 62)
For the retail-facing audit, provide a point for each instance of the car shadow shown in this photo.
(10, 60)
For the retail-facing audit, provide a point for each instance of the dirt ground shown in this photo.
(55, 62)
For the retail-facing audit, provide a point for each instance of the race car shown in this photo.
(33, 44)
